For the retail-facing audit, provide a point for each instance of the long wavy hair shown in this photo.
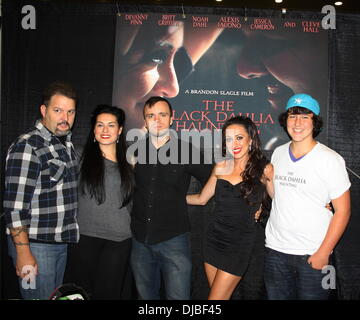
(92, 161)
(256, 163)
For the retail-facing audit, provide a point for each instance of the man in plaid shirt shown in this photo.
(40, 200)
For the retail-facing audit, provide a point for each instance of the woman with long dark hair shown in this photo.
(234, 242)
(99, 263)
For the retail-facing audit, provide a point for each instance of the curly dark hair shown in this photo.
(257, 162)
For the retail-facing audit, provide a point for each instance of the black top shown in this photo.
(233, 237)
(159, 204)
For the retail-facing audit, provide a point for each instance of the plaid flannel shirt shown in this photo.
(41, 186)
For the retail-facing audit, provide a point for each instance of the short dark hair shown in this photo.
(151, 101)
(317, 120)
(61, 88)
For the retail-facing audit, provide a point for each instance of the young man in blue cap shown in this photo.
(301, 232)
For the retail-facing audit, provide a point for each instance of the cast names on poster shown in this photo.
(289, 24)
(212, 114)
(136, 19)
(229, 23)
(168, 20)
(306, 26)
(262, 24)
(200, 22)
(311, 26)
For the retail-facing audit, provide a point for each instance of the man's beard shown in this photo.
(62, 133)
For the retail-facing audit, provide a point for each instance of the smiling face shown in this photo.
(237, 141)
(107, 129)
(146, 69)
(300, 127)
(58, 117)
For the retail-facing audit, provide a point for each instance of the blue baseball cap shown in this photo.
(304, 100)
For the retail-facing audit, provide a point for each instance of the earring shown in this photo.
(94, 140)
(117, 141)
(249, 147)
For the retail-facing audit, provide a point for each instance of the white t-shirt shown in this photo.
(299, 219)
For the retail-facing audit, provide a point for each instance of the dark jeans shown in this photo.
(290, 277)
(51, 261)
(170, 259)
(101, 267)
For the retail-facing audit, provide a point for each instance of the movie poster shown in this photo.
(212, 68)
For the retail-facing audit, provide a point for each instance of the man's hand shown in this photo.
(25, 261)
(318, 260)
(25, 264)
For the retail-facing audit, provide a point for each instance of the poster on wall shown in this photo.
(212, 68)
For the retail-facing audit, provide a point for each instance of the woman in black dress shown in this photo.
(234, 242)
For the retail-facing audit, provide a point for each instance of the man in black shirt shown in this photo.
(159, 222)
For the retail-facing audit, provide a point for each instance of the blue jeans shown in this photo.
(170, 259)
(51, 261)
(290, 277)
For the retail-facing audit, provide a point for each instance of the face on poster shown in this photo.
(212, 68)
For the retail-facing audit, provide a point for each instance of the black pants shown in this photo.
(101, 267)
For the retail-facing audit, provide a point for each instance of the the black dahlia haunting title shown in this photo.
(212, 114)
